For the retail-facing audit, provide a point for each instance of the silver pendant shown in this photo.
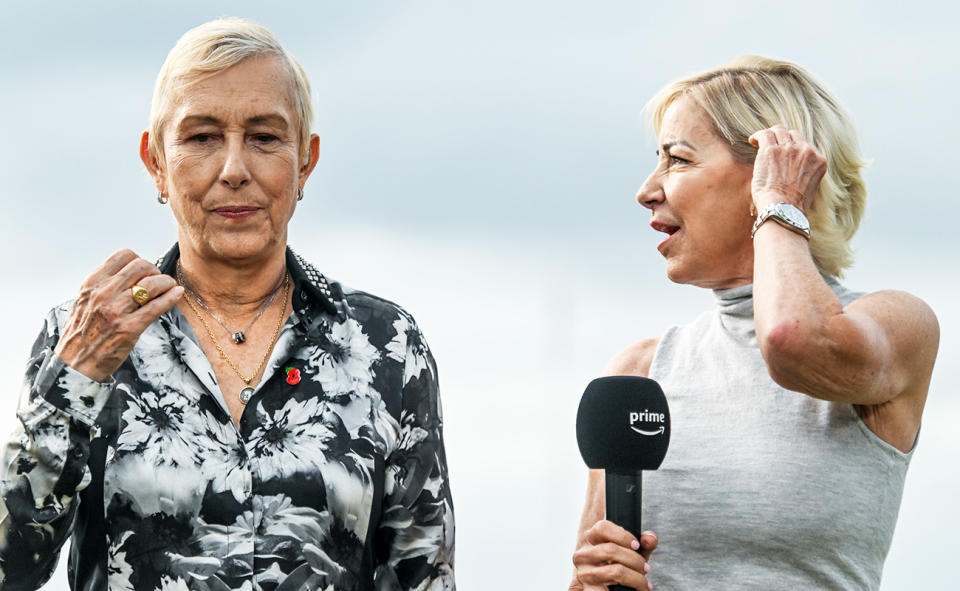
(246, 394)
(238, 337)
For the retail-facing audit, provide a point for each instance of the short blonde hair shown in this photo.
(211, 48)
(752, 93)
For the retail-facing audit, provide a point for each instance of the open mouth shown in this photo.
(667, 228)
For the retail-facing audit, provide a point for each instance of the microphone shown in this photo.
(623, 427)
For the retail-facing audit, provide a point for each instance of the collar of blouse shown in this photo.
(310, 287)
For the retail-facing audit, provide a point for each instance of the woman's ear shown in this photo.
(153, 165)
(313, 154)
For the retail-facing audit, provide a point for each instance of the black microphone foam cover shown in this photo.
(623, 424)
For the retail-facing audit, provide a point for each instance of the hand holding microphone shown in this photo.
(607, 553)
(623, 427)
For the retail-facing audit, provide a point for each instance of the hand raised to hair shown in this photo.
(608, 555)
(105, 321)
(788, 168)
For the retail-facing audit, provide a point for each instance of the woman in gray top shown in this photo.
(795, 402)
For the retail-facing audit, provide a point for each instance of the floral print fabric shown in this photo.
(334, 480)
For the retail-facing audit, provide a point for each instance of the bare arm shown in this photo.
(877, 353)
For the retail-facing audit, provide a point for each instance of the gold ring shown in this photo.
(140, 294)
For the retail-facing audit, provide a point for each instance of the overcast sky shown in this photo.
(495, 150)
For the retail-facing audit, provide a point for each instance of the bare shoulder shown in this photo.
(897, 302)
(907, 319)
(634, 360)
(906, 328)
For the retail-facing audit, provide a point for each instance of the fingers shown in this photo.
(615, 544)
(105, 322)
(788, 168)
(778, 135)
(132, 273)
(612, 574)
(607, 531)
(110, 267)
(156, 285)
(782, 135)
(609, 555)
(111, 297)
(155, 307)
(764, 137)
(648, 543)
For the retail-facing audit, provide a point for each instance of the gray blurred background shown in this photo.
(478, 166)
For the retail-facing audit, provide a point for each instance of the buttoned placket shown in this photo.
(196, 361)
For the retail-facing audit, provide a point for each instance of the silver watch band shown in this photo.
(786, 215)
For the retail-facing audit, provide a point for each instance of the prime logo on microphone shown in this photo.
(623, 423)
(648, 417)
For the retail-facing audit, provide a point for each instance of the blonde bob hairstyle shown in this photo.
(752, 93)
(211, 48)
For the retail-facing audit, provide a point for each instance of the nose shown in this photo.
(234, 173)
(650, 192)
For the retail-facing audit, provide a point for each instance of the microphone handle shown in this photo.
(624, 502)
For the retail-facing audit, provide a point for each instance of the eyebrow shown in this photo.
(269, 119)
(666, 147)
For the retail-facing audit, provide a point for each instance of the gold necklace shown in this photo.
(240, 336)
(246, 393)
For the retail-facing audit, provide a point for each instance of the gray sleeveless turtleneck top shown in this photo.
(762, 487)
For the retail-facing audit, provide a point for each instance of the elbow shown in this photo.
(809, 362)
(785, 348)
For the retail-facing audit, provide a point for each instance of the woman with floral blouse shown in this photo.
(228, 418)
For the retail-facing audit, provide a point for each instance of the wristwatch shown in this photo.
(786, 215)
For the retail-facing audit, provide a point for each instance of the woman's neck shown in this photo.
(234, 288)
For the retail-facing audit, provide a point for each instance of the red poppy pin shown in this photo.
(293, 376)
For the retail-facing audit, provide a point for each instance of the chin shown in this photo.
(677, 273)
(240, 247)
(708, 275)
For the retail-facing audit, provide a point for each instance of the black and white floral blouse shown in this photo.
(336, 480)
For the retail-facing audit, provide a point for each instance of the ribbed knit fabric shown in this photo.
(762, 487)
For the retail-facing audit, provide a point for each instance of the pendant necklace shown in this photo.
(240, 336)
(246, 393)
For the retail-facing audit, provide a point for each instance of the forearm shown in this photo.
(793, 305)
(809, 342)
(593, 505)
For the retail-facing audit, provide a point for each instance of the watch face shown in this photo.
(792, 216)
(785, 214)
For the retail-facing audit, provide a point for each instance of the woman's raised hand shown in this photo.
(610, 555)
(788, 168)
(106, 321)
